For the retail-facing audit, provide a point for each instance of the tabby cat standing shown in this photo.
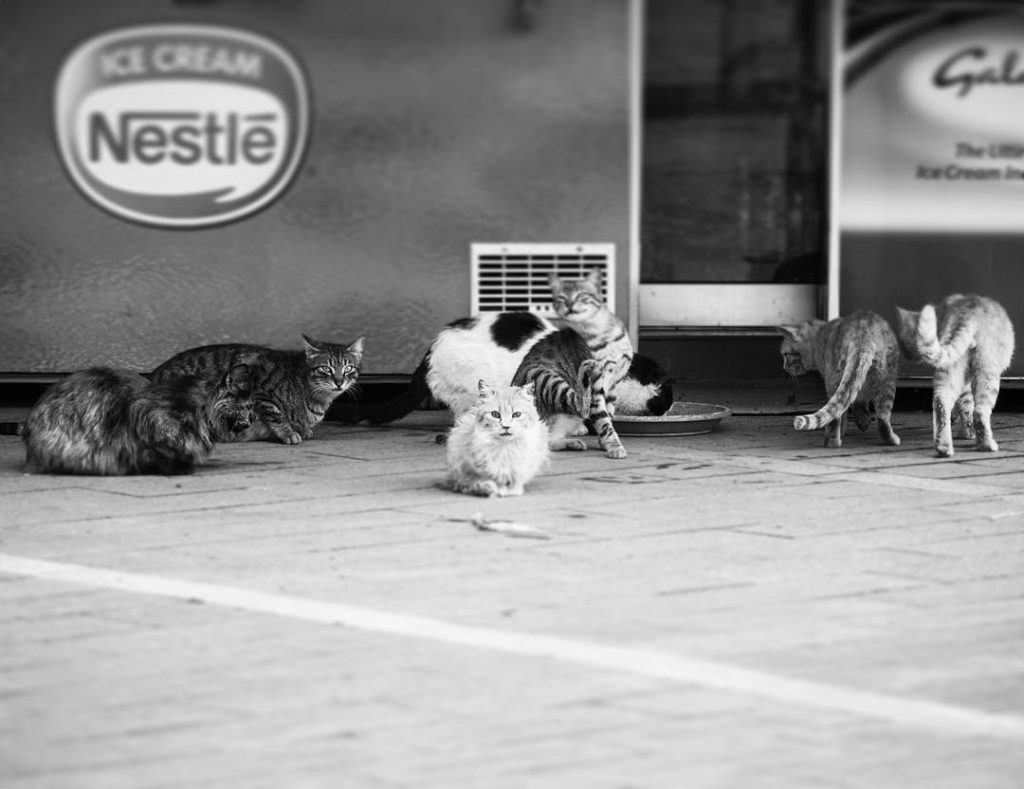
(967, 341)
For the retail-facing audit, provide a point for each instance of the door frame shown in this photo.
(685, 306)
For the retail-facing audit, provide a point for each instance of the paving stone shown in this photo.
(866, 569)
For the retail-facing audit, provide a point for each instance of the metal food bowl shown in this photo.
(682, 419)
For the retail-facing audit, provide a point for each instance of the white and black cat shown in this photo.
(492, 346)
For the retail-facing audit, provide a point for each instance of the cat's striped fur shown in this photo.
(570, 388)
(858, 357)
(969, 342)
(579, 303)
(293, 389)
(104, 421)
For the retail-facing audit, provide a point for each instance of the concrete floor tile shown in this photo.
(865, 569)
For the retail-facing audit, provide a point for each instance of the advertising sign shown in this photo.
(934, 139)
(181, 125)
(931, 157)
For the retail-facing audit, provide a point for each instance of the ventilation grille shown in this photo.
(514, 277)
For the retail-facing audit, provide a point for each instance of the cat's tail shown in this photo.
(12, 428)
(938, 354)
(854, 375)
(415, 395)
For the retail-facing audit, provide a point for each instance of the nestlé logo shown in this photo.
(181, 125)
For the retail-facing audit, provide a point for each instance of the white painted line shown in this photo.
(913, 713)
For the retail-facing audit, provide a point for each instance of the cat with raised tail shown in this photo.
(858, 358)
(968, 341)
(499, 445)
(493, 345)
(109, 422)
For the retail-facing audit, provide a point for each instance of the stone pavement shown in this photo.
(737, 609)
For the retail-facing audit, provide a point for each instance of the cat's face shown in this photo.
(577, 300)
(234, 407)
(907, 334)
(332, 368)
(505, 413)
(797, 349)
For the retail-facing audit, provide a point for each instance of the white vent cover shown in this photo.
(514, 277)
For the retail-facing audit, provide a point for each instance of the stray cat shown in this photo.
(493, 345)
(968, 341)
(499, 445)
(293, 389)
(571, 387)
(114, 422)
(858, 357)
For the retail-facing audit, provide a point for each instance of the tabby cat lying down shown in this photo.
(292, 389)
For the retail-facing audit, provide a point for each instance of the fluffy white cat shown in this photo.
(499, 444)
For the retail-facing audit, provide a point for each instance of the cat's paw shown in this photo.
(943, 450)
(887, 433)
(291, 438)
(486, 488)
(616, 453)
(989, 445)
(831, 442)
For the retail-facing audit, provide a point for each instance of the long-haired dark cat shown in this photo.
(493, 345)
(104, 421)
(292, 389)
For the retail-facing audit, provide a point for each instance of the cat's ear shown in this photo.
(556, 284)
(793, 332)
(907, 318)
(484, 388)
(238, 378)
(594, 278)
(356, 349)
(312, 346)
(527, 390)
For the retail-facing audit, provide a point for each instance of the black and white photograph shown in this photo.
(511, 394)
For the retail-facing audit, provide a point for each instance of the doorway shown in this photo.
(734, 173)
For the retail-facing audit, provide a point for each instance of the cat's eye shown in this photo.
(325, 369)
(516, 414)
(496, 414)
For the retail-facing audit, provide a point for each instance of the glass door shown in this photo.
(733, 225)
